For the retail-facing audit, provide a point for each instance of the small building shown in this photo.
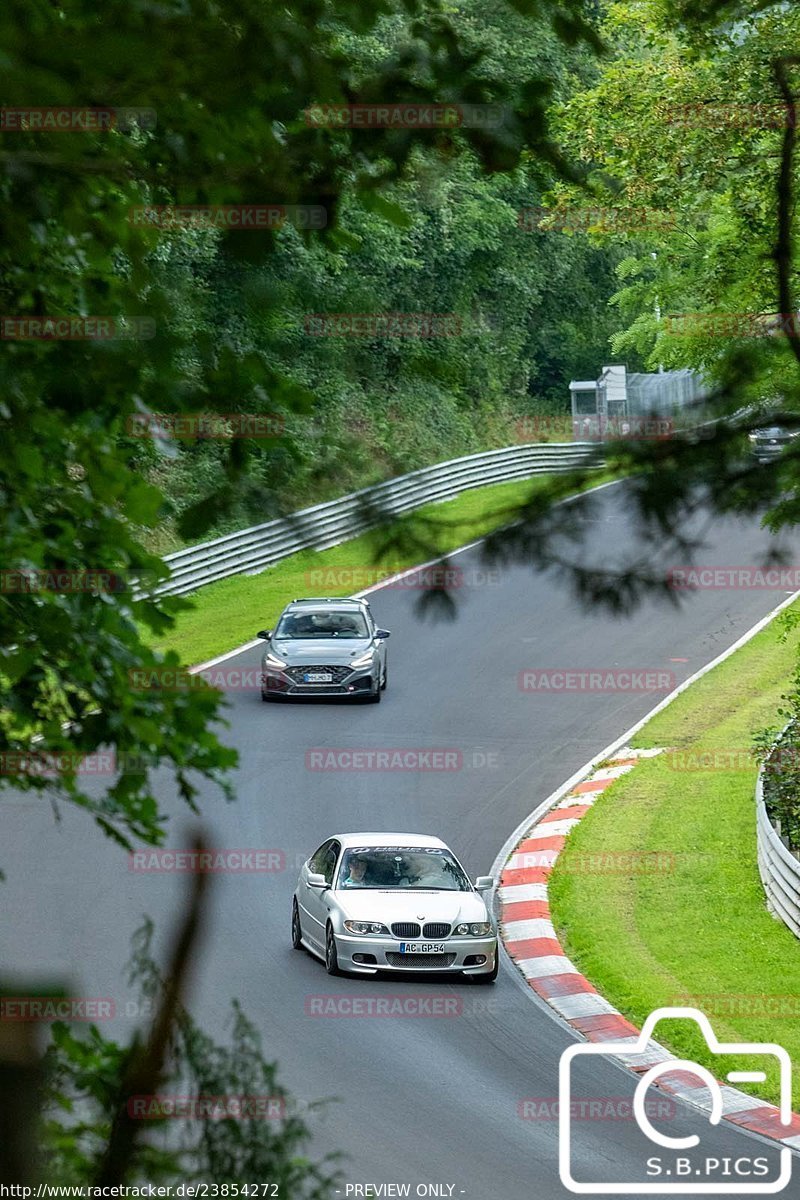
(622, 404)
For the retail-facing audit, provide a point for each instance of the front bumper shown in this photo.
(355, 683)
(459, 955)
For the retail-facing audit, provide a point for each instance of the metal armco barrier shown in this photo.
(778, 867)
(253, 550)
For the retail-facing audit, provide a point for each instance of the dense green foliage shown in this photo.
(224, 88)
(218, 1138)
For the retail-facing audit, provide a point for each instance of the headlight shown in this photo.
(365, 927)
(477, 929)
(271, 661)
(753, 437)
(364, 660)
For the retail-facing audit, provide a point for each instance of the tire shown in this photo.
(297, 933)
(331, 957)
(385, 677)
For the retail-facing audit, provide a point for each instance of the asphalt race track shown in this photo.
(419, 1099)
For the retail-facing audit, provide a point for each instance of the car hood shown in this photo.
(418, 905)
(320, 650)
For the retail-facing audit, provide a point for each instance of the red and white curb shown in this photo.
(531, 941)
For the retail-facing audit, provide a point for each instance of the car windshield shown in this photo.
(322, 625)
(404, 868)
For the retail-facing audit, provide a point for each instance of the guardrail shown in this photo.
(253, 550)
(778, 867)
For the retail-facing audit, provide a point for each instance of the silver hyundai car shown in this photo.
(370, 902)
(325, 647)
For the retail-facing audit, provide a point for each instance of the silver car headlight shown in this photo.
(363, 660)
(365, 927)
(271, 661)
(476, 929)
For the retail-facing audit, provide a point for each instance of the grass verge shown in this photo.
(697, 932)
(230, 612)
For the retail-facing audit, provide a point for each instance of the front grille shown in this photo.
(435, 930)
(414, 961)
(406, 929)
(314, 689)
(339, 673)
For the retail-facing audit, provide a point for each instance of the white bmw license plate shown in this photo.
(422, 948)
(317, 677)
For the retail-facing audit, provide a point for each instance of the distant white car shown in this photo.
(369, 902)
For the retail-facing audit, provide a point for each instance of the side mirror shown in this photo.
(483, 883)
(316, 881)
(382, 634)
(266, 634)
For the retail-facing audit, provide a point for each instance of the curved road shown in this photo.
(421, 1100)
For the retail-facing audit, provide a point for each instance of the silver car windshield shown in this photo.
(403, 868)
(344, 625)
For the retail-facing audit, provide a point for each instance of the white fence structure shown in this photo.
(253, 550)
(778, 867)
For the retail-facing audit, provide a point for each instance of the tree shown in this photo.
(206, 104)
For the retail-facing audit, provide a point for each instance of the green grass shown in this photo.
(230, 612)
(700, 929)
